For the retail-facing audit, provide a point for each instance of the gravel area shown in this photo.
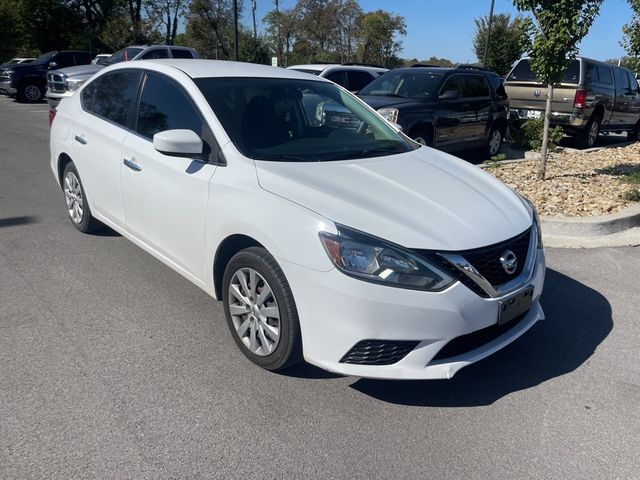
(577, 184)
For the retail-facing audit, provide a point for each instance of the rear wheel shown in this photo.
(76, 202)
(260, 310)
(495, 141)
(30, 92)
(589, 136)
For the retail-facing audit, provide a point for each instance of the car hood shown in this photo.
(80, 70)
(381, 101)
(420, 199)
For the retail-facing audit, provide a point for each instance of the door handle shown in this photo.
(132, 165)
(80, 140)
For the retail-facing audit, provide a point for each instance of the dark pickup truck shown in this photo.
(29, 81)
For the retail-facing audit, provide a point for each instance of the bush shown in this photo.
(632, 195)
(529, 135)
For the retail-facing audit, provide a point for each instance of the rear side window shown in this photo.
(337, 77)
(111, 96)
(82, 58)
(357, 80)
(622, 81)
(633, 84)
(156, 53)
(604, 74)
(454, 83)
(165, 106)
(181, 53)
(522, 73)
(475, 86)
(64, 59)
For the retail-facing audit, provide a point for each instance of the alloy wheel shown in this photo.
(593, 134)
(32, 93)
(495, 142)
(254, 311)
(73, 197)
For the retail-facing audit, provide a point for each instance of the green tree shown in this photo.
(165, 14)
(11, 33)
(631, 37)
(560, 26)
(317, 25)
(210, 27)
(509, 40)
(380, 38)
(349, 20)
(281, 28)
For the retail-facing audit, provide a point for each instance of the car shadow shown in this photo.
(308, 371)
(578, 319)
(105, 231)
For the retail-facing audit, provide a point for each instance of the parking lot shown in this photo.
(114, 366)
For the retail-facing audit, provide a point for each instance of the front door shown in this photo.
(165, 197)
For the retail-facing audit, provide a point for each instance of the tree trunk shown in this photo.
(545, 135)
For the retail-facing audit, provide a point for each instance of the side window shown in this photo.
(357, 80)
(113, 96)
(156, 53)
(592, 73)
(634, 87)
(64, 59)
(604, 75)
(337, 77)
(475, 86)
(82, 58)
(454, 83)
(622, 81)
(181, 53)
(165, 106)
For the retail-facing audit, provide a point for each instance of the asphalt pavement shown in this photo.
(112, 366)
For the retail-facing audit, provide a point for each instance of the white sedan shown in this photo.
(344, 244)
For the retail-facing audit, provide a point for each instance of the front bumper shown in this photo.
(5, 87)
(53, 98)
(337, 312)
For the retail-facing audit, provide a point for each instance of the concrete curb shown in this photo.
(592, 226)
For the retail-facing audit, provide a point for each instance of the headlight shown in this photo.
(375, 260)
(73, 85)
(536, 219)
(389, 114)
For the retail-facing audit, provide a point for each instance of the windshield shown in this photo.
(45, 57)
(287, 120)
(414, 84)
(123, 55)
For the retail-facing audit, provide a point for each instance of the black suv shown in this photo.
(447, 108)
(29, 81)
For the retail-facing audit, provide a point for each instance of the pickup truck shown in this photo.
(28, 80)
(592, 97)
(62, 83)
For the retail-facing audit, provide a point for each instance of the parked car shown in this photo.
(17, 61)
(593, 97)
(364, 253)
(62, 83)
(446, 108)
(351, 76)
(101, 58)
(28, 81)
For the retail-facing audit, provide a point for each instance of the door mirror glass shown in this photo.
(52, 65)
(450, 95)
(180, 142)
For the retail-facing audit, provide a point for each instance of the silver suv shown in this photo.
(62, 83)
(350, 76)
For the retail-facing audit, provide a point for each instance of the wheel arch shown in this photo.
(225, 251)
(63, 161)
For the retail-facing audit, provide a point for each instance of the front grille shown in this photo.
(56, 83)
(471, 341)
(487, 259)
(378, 352)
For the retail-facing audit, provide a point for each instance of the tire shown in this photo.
(30, 92)
(422, 136)
(270, 340)
(634, 135)
(75, 201)
(494, 142)
(588, 138)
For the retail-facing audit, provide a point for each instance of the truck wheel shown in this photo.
(588, 137)
(633, 135)
(30, 92)
(422, 136)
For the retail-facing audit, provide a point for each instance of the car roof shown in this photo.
(319, 67)
(197, 68)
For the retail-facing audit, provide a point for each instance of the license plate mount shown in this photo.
(515, 305)
(535, 114)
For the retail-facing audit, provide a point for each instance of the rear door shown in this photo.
(181, 53)
(166, 196)
(600, 90)
(455, 118)
(527, 96)
(626, 98)
(478, 94)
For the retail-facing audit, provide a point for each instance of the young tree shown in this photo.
(560, 26)
(210, 27)
(380, 38)
(349, 18)
(508, 41)
(631, 37)
(281, 30)
(166, 14)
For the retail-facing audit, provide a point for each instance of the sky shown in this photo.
(445, 28)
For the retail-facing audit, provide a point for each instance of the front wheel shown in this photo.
(260, 310)
(30, 93)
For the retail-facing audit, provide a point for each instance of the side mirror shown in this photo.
(450, 95)
(52, 65)
(180, 143)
